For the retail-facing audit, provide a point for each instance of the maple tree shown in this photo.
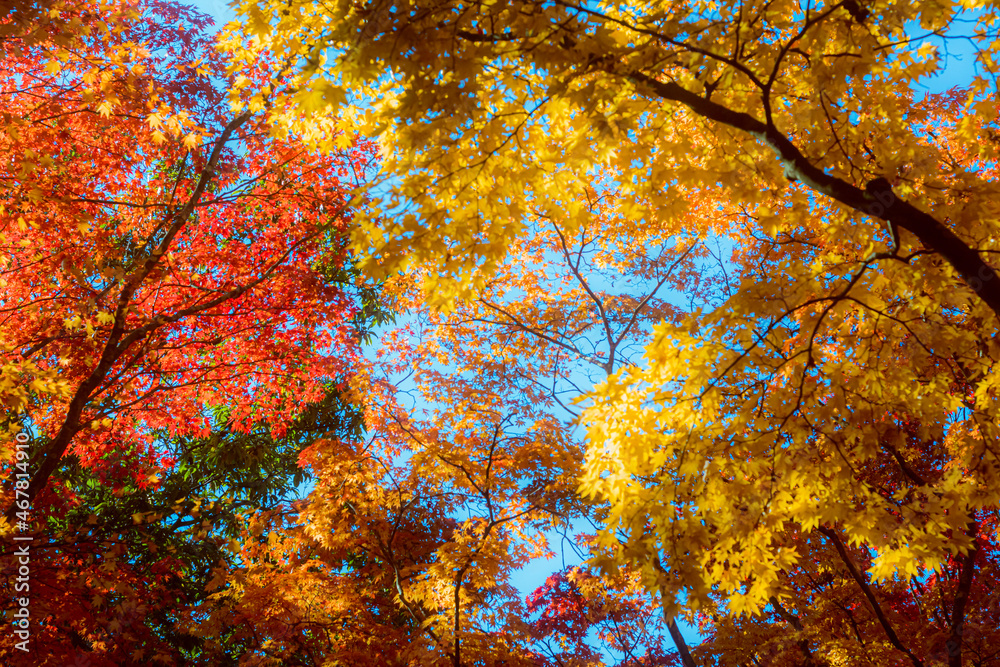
(177, 298)
(165, 543)
(805, 456)
(129, 269)
(411, 535)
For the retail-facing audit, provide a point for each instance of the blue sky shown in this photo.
(219, 9)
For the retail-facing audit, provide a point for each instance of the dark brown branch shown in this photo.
(878, 202)
(965, 577)
(675, 634)
(794, 621)
(866, 589)
(679, 642)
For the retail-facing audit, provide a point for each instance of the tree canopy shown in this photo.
(710, 288)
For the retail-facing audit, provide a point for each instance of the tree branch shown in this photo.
(878, 201)
(866, 589)
(965, 577)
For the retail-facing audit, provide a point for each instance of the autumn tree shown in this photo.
(411, 534)
(177, 296)
(576, 603)
(262, 212)
(811, 452)
(167, 542)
